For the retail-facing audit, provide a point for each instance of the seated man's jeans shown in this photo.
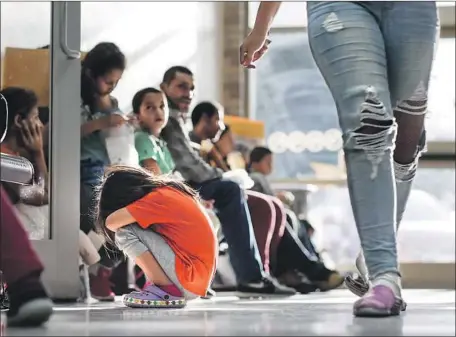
(236, 226)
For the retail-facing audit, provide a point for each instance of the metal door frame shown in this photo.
(60, 253)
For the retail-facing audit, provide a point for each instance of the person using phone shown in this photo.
(24, 137)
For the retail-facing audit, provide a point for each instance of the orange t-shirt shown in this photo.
(180, 220)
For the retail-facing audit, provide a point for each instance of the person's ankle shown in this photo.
(361, 266)
(171, 289)
(390, 280)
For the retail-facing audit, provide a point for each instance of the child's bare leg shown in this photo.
(141, 245)
(152, 269)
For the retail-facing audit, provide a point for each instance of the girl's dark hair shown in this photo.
(123, 185)
(138, 98)
(100, 60)
(20, 103)
(258, 153)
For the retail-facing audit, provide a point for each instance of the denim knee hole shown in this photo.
(376, 132)
(406, 172)
(415, 105)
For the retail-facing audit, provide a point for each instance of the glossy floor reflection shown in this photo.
(430, 312)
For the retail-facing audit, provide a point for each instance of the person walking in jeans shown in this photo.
(178, 86)
(376, 59)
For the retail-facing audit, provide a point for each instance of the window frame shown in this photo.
(440, 154)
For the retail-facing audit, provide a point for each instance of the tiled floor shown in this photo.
(429, 313)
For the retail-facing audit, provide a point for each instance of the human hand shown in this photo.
(113, 120)
(208, 204)
(32, 135)
(286, 197)
(253, 48)
(133, 120)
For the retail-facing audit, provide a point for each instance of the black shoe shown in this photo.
(30, 308)
(298, 281)
(267, 286)
(305, 288)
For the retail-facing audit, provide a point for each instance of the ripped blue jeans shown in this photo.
(376, 59)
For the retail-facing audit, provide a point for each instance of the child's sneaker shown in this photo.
(153, 297)
(100, 286)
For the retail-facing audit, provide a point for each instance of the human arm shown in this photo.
(188, 162)
(89, 126)
(218, 159)
(142, 211)
(261, 184)
(119, 219)
(32, 138)
(256, 43)
(208, 204)
(147, 153)
(265, 16)
(151, 165)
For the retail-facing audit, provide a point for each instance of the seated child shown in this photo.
(151, 111)
(159, 223)
(260, 166)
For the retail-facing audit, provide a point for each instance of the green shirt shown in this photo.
(150, 147)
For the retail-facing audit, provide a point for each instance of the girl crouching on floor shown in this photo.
(160, 224)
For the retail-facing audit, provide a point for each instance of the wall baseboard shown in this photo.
(428, 275)
(423, 275)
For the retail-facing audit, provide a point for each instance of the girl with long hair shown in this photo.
(159, 223)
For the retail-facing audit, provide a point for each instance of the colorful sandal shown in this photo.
(153, 297)
(380, 301)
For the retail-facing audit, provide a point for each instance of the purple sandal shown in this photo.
(359, 286)
(153, 297)
(379, 302)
